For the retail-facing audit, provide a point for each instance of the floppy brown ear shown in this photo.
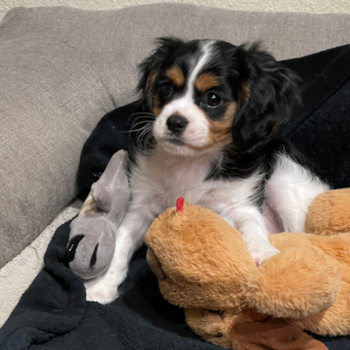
(273, 334)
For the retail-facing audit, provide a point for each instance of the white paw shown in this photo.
(104, 289)
(103, 292)
(262, 253)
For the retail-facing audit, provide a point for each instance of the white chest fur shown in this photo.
(159, 179)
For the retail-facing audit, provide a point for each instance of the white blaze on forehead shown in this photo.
(198, 67)
(197, 130)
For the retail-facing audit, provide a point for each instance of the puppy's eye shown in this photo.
(212, 99)
(166, 90)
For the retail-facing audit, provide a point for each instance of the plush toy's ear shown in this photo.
(150, 67)
(113, 186)
(273, 334)
(267, 97)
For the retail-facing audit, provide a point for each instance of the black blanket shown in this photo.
(53, 313)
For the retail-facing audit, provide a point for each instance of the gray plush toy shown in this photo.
(93, 232)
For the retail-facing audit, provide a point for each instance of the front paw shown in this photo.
(262, 253)
(101, 294)
(103, 291)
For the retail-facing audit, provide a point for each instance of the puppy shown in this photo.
(212, 111)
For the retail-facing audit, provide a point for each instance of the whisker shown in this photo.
(128, 131)
(146, 134)
(131, 129)
(143, 133)
(144, 122)
(142, 114)
(147, 118)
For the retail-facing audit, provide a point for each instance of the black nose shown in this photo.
(176, 123)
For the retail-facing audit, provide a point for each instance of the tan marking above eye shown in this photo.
(206, 81)
(176, 75)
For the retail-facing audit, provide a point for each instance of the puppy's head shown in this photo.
(206, 94)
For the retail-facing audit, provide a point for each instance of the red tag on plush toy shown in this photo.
(179, 204)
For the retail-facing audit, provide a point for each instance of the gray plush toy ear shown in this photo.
(93, 232)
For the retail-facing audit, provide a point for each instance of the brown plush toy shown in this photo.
(203, 265)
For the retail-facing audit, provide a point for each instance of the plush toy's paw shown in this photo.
(262, 253)
(299, 282)
(104, 289)
(213, 326)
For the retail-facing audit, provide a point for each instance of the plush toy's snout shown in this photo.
(90, 249)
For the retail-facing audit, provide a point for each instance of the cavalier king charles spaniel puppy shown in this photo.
(212, 110)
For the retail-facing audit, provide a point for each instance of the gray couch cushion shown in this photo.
(62, 69)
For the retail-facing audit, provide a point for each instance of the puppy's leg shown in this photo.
(130, 235)
(290, 191)
(250, 223)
